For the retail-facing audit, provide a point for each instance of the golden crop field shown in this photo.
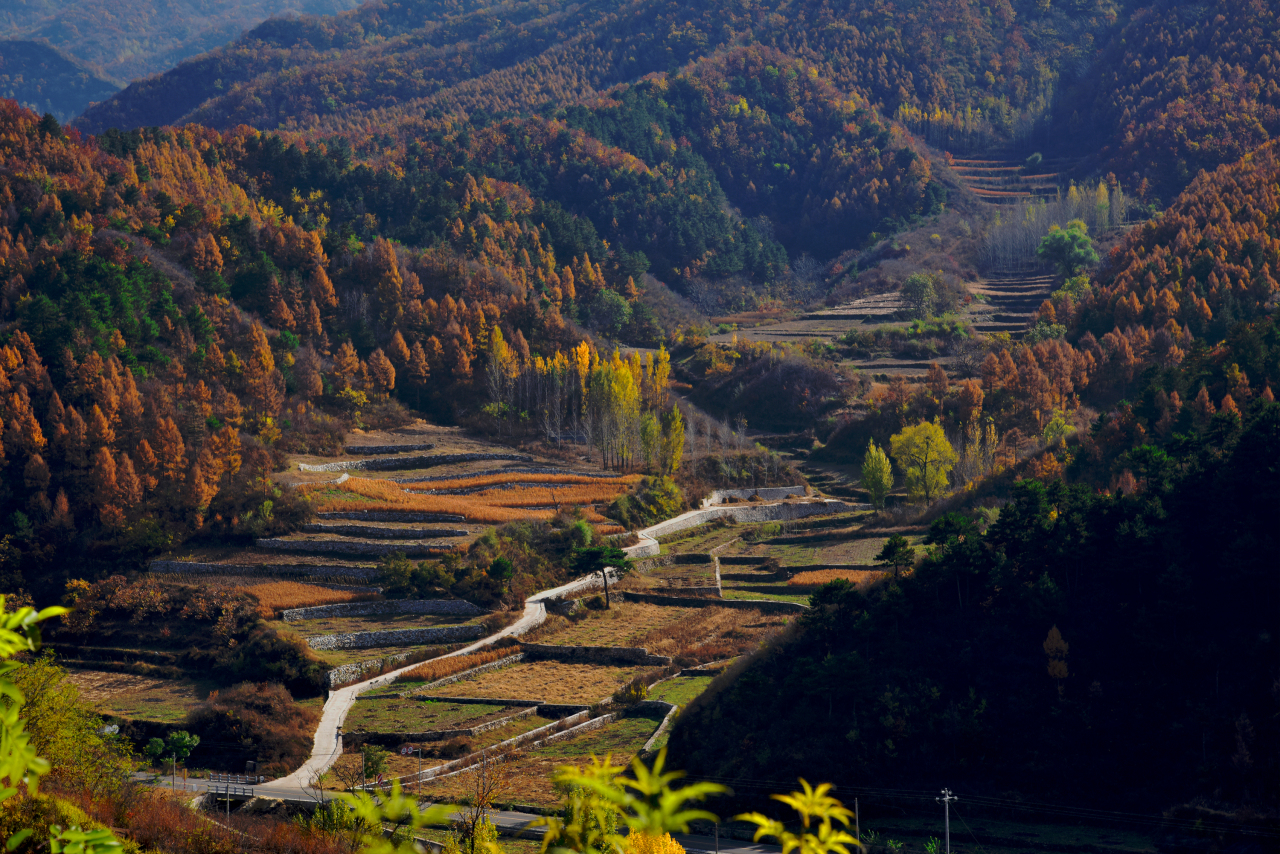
(440, 668)
(497, 506)
(818, 577)
(622, 625)
(389, 495)
(551, 681)
(278, 596)
(515, 477)
(535, 496)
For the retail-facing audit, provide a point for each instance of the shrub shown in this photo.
(655, 500)
(454, 748)
(261, 717)
(635, 691)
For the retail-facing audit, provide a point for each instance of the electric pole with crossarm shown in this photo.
(946, 800)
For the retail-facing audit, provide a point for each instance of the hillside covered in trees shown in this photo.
(125, 41)
(37, 76)
(1148, 91)
(549, 222)
(1112, 628)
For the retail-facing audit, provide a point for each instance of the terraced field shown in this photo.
(128, 695)
(425, 500)
(625, 624)
(431, 490)
(1003, 182)
(549, 681)
(371, 714)
(529, 773)
(380, 623)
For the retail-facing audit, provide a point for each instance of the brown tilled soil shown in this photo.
(622, 625)
(552, 681)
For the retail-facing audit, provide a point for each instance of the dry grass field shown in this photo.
(276, 596)
(712, 634)
(538, 496)
(528, 773)
(494, 506)
(622, 625)
(376, 623)
(432, 670)
(336, 657)
(667, 577)
(369, 494)
(371, 715)
(140, 697)
(517, 477)
(551, 681)
(818, 577)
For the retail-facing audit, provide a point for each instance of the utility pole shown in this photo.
(946, 800)
(857, 821)
(173, 781)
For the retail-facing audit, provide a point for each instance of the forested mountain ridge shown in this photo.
(125, 41)
(1112, 631)
(1151, 92)
(1183, 87)
(38, 76)
(1094, 649)
(925, 54)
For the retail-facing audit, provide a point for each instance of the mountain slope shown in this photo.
(415, 54)
(125, 41)
(36, 75)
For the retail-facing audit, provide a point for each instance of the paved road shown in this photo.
(508, 822)
(327, 748)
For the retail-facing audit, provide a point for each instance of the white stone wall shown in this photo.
(396, 637)
(394, 606)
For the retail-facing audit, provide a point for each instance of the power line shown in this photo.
(971, 833)
(752, 784)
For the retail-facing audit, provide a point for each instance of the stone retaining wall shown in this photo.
(387, 449)
(574, 732)
(672, 560)
(644, 547)
(355, 547)
(595, 654)
(670, 710)
(394, 606)
(350, 672)
(767, 493)
(747, 514)
(392, 516)
(552, 710)
(383, 533)
(766, 605)
(164, 567)
(743, 560)
(420, 461)
(487, 701)
(396, 637)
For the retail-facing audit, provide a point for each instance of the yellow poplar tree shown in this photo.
(926, 457)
